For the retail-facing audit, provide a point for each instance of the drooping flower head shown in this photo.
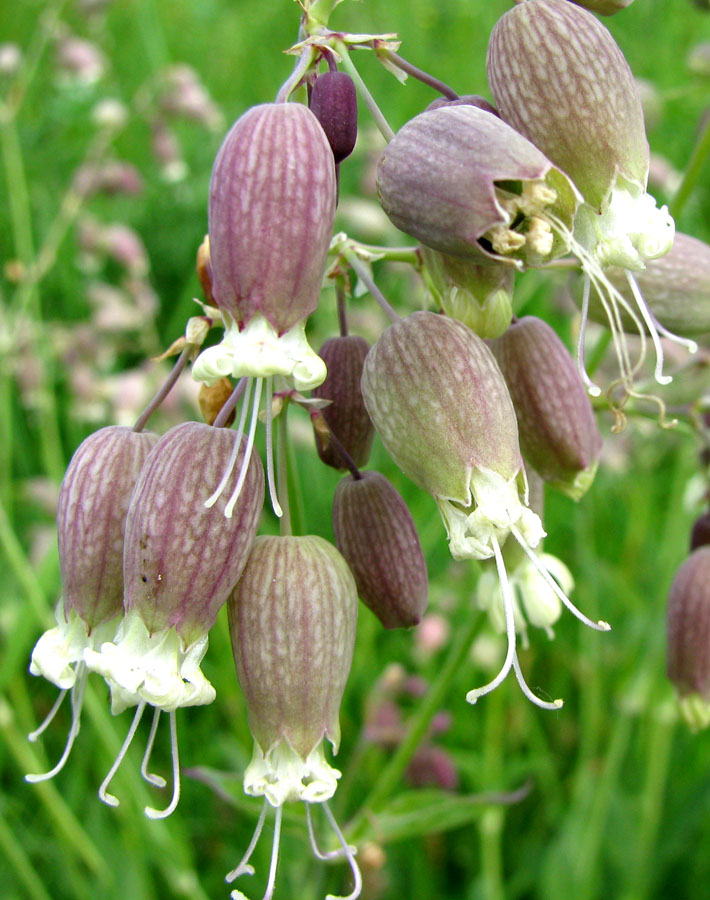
(91, 517)
(181, 560)
(439, 401)
(271, 209)
(559, 78)
(292, 619)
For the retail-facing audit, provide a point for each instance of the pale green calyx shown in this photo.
(695, 711)
(57, 652)
(282, 775)
(258, 351)
(631, 230)
(496, 508)
(152, 668)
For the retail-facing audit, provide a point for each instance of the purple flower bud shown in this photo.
(375, 533)
(700, 535)
(688, 628)
(465, 100)
(181, 561)
(346, 416)
(292, 619)
(333, 102)
(433, 767)
(463, 182)
(558, 431)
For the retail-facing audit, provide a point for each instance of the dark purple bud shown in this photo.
(433, 767)
(556, 424)
(346, 416)
(700, 535)
(688, 629)
(334, 103)
(375, 533)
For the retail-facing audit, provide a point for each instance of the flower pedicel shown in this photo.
(440, 404)
(91, 517)
(181, 560)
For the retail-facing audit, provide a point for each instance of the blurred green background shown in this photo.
(619, 799)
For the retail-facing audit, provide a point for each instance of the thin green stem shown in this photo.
(22, 568)
(491, 823)
(362, 89)
(418, 726)
(17, 859)
(693, 170)
(363, 273)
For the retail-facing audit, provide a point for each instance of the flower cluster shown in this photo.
(479, 408)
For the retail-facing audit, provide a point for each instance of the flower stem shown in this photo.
(693, 170)
(419, 74)
(164, 389)
(418, 726)
(285, 524)
(364, 275)
(362, 89)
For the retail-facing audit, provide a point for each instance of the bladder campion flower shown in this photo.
(440, 404)
(292, 619)
(91, 517)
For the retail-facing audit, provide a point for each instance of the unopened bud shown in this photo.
(333, 102)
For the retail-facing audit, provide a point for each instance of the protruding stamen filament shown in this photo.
(317, 852)
(601, 625)
(210, 502)
(350, 855)
(244, 868)
(270, 448)
(593, 388)
(48, 719)
(533, 698)
(77, 701)
(472, 696)
(229, 509)
(648, 319)
(689, 344)
(103, 790)
(274, 855)
(156, 780)
(170, 808)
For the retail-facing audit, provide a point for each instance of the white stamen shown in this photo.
(210, 502)
(593, 388)
(643, 309)
(77, 701)
(270, 448)
(543, 704)
(472, 696)
(48, 719)
(170, 808)
(601, 625)
(244, 868)
(229, 509)
(689, 344)
(103, 792)
(350, 854)
(274, 854)
(317, 852)
(156, 780)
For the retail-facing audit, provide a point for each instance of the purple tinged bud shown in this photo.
(181, 561)
(346, 416)
(91, 518)
(465, 100)
(465, 183)
(700, 535)
(558, 431)
(559, 78)
(272, 202)
(333, 102)
(376, 534)
(292, 619)
(688, 630)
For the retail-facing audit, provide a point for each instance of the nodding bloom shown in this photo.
(292, 619)
(181, 560)
(559, 78)
(441, 406)
(271, 209)
(688, 632)
(91, 517)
